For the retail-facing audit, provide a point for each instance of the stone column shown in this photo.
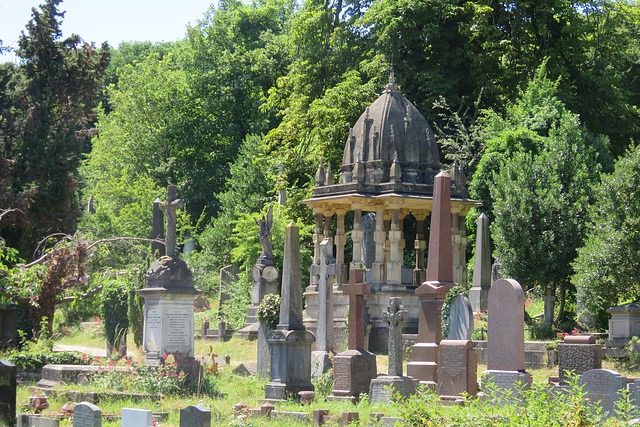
(340, 241)
(357, 237)
(320, 360)
(439, 280)
(379, 236)
(328, 217)
(420, 244)
(317, 239)
(479, 292)
(394, 267)
(459, 246)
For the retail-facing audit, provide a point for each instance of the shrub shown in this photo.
(269, 310)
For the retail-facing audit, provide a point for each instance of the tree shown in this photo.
(539, 168)
(53, 95)
(606, 268)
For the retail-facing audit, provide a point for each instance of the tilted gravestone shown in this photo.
(86, 414)
(460, 319)
(602, 387)
(136, 417)
(195, 416)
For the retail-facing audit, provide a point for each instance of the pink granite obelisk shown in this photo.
(433, 291)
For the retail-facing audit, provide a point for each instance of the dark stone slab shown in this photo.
(353, 372)
(601, 387)
(384, 387)
(577, 359)
(7, 393)
(195, 416)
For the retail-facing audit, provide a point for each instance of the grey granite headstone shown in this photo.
(601, 387)
(195, 416)
(368, 244)
(461, 319)
(86, 414)
(136, 417)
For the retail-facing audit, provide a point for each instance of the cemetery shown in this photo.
(258, 226)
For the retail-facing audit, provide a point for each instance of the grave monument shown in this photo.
(380, 390)
(433, 291)
(481, 283)
(168, 296)
(578, 354)
(290, 342)
(321, 356)
(355, 368)
(505, 339)
(87, 414)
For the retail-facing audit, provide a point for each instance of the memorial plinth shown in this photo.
(168, 309)
(290, 364)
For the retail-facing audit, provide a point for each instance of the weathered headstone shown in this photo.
(380, 391)
(481, 283)
(327, 271)
(195, 416)
(136, 417)
(505, 339)
(433, 291)
(457, 368)
(602, 387)
(7, 393)
(44, 422)
(577, 355)
(169, 296)
(549, 303)
(460, 319)
(87, 414)
(355, 368)
(290, 342)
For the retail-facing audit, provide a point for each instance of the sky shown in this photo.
(113, 21)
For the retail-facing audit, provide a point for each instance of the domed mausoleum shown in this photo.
(388, 167)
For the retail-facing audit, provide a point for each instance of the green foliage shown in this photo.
(135, 304)
(114, 311)
(606, 267)
(268, 311)
(323, 385)
(34, 354)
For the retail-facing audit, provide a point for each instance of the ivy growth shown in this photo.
(269, 310)
(445, 315)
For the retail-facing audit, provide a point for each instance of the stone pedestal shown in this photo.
(291, 364)
(457, 368)
(353, 372)
(577, 355)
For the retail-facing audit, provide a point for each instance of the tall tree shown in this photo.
(54, 94)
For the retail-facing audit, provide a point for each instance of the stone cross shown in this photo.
(171, 206)
(396, 316)
(356, 289)
(327, 271)
(157, 228)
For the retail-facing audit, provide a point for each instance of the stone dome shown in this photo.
(391, 128)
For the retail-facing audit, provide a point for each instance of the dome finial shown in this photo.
(392, 80)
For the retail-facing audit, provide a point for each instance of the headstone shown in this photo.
(505, 339)
(368, 244)
(549, 302)
(355, 368)
(229, 276)
(481, 283)
(575, 357)
(381, 387)
(457, 368)
(195, 416)
(157, 228)
(290, 343)
(87, 414)
(169, 296)
(602, 387)
(136, 417)
(460, 319)
(7, 393)
(327, 271)
(433, 291)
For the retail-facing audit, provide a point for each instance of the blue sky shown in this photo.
(113, 21)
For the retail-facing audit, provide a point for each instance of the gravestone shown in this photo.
(460, 319)
(168, 296)
(43, 422)
(481, 283)
(229, 276)
(290, 342)
(195, 416)
(380, 391)
(355, 368)
(457, 369)
(505, 339)
(368, 244)
(577, 355)
(327, 271)
(136, 417)
(7, 393)
(433, 291)
(87, 414)
(601, 387)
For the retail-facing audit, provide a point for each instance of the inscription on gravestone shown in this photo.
(342, 371)
(87, 415)
(455, 365)
(177, 330)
